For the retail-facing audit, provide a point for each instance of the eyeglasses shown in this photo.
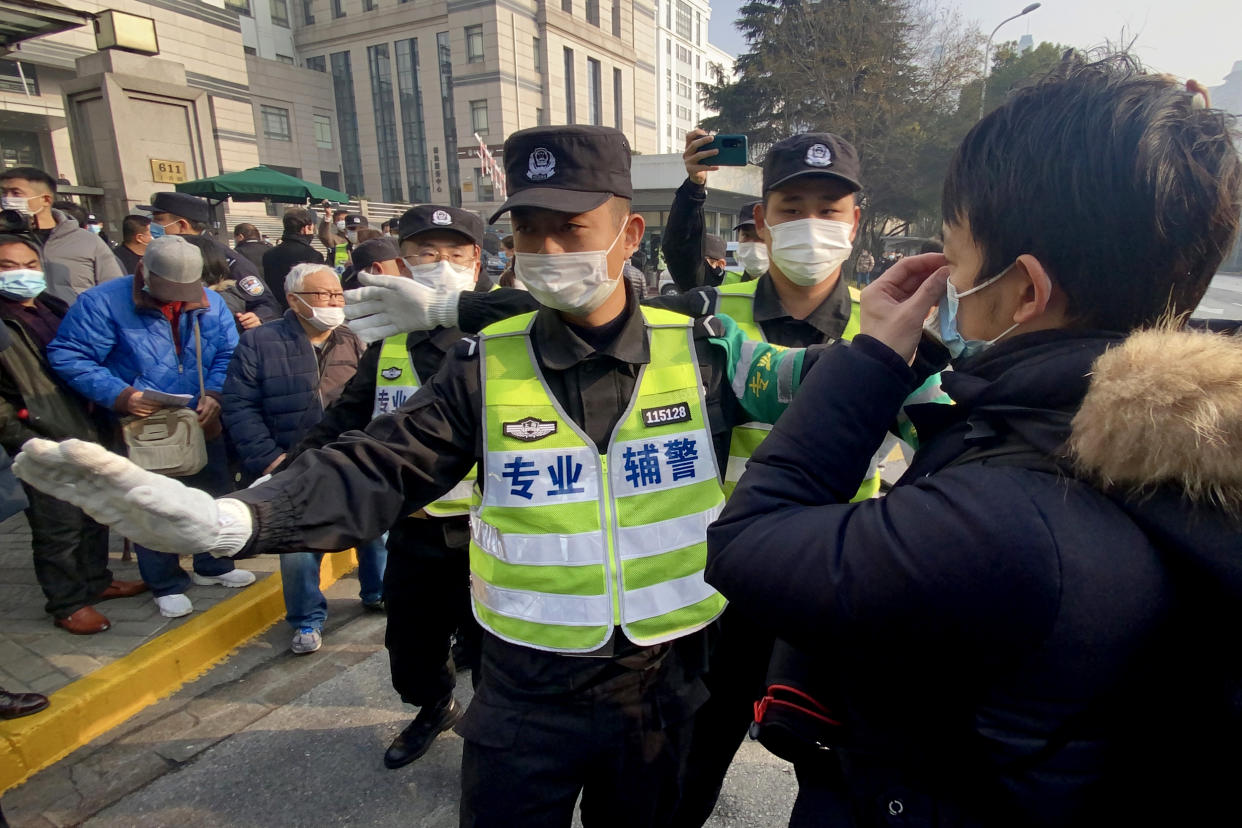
(430, 256)
(327, 296)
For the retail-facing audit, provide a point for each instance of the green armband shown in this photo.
(763, 376)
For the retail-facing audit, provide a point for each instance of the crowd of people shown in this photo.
(652, 525)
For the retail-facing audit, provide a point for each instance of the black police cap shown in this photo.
(375, 250)
(571, 169)
(182, 205)
(428, 217)
(746, 215)
(811, 153)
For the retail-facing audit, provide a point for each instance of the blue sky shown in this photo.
(1188, 38)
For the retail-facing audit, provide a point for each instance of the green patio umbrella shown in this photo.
(258, 184)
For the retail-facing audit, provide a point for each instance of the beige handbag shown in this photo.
(170, 441)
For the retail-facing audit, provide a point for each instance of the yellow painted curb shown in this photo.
(96, 703)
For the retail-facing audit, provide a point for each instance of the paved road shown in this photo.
(1223, 299)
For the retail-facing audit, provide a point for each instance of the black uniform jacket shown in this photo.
(682, 244)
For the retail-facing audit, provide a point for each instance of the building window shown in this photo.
(668, 81)
(337, 9)
(567, 6)
(616, 18)
(668, 14)
(474, 44)
(445, 56)
(279, 10)
(684, 113)
(330, 179)
(592, 12)
(347, 122)
(413, 132)
(539, 119)
(249, 50)
(698, 29)
(595, 92)
(368, 5)
(537, 47)
(323, 131)
(389, 154)
(668, 47)
(242, 7)
(617, 112)
(478, 116)
(683, 86)
(684, 16)
(308, 12)
(317, 64)
(683, 54)
(275, 123)
(11, 78)
(569, 85)
(285, 59)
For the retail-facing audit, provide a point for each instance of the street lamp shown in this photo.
(983, 94)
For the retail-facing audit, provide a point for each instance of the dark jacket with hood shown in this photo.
(279, 384)
(1009, 640)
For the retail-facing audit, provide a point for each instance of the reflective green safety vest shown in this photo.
(395, 382)
(737, 301)
(566, 543)
(340, 257)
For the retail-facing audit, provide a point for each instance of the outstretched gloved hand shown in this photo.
(148, 508)
(395, 304)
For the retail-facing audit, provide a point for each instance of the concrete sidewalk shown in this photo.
(36, 656)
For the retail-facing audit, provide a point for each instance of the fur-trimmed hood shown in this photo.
(1164, 409)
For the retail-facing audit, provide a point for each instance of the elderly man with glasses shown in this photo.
(282, 377)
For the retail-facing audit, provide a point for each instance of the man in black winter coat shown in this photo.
(294, 249)
(1037, 626)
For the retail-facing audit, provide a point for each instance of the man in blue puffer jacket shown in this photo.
(136, 334)
(282, 377)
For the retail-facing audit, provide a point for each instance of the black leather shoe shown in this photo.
(16, 705)
(418, 735)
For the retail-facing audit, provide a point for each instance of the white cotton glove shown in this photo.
(152, 510)
(396, 304)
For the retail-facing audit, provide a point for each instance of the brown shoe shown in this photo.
(16, 705)
(86, 621)
(122, 589)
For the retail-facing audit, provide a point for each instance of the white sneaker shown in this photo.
(174, 606)
(233, 578)
(306, 640)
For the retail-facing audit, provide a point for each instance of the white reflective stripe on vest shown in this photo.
(570, 610)
(537, 550)
(667, 535)
(541, 477)
(747, 355)
(634, 466)
(648, 602)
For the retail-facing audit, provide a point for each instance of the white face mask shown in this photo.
(442, 274)
(340, 225)
(573, 283)
(21, 205)
(753, 256)
(324, 319)
(808, 250)
(352, 235)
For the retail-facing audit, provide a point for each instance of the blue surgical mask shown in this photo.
(22, 284)
(157, 230)
(95, 228)
(943, 325)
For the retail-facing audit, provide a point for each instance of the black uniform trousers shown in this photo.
(427, 594)
(70, 553)
(536, 737)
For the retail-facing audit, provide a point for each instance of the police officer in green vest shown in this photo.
(426, 581)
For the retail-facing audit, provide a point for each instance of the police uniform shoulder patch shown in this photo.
(818, 155)
(467, 347)
(709, 327)
(441, 218)
(529, 429)
(541, 165)
(251, 285)
(391, 373)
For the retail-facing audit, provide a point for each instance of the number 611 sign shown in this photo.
(167, 172)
